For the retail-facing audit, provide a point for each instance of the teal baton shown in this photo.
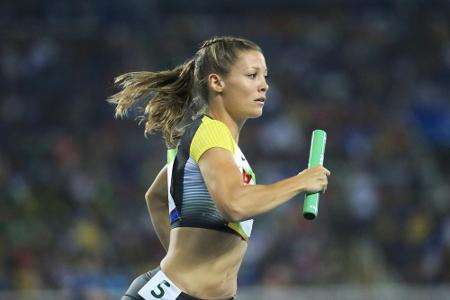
(316, 156)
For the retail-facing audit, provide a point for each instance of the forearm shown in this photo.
(158, 207)
(237, 202)
(251, 200)
(159, 214)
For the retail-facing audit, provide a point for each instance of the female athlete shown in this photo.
(203, 201)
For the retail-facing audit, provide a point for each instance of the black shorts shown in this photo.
(155, 285)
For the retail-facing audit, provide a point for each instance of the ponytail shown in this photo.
(168, 96)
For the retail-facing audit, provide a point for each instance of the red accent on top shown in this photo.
(246, 177)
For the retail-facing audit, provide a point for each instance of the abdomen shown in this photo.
(204, 263)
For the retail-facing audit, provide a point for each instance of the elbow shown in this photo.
(230, 207)
(155, 201)
(148, 195)
(235, 218)
(233, 213)
(150, 198)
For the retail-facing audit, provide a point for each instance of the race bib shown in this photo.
(159, 287)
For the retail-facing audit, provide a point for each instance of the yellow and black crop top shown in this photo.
(190, 203)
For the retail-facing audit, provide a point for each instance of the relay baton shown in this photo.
(316, 156)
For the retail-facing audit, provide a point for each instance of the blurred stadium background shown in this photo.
(374, 74)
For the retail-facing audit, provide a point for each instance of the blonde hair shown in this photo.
(171, 95)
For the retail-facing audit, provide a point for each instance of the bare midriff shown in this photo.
(204, 263)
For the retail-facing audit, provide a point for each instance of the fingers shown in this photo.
(323, 169)
(327, 173)
(315, 179)
(325, 186)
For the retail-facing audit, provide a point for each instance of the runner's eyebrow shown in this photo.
(258, 69)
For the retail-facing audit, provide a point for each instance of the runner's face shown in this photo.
(245, 87)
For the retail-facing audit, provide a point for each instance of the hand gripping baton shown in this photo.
(316, 156)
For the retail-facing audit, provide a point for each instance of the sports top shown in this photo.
(190, 203)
